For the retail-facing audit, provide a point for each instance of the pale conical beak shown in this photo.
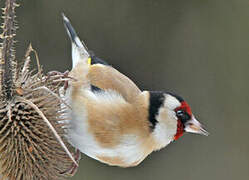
(193, 126)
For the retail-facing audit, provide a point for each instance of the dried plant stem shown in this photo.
(7, 59)
(29, 50)
(9, 112)
(20, 99)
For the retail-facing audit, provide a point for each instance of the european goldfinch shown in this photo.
(117, 123)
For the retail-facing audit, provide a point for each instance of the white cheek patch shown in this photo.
(166, 127)
(171, 102)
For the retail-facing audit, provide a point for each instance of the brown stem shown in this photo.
(7, 59)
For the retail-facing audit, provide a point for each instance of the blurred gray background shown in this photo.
(198, 49)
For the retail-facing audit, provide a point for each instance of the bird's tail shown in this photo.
(79, 49)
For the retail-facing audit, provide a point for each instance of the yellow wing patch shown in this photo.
(89, 61)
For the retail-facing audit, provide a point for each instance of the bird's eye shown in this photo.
(179, 113)
(184, 116)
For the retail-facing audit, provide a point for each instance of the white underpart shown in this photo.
(81, 138)
(166, 127)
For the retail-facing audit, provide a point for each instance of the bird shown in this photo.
(116, 123)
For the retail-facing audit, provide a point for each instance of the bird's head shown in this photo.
(186, 121)
(171, 116)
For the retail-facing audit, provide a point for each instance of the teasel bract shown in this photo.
(32, 115)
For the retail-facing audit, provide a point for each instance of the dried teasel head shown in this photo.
(32, 129)
(32, 115)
